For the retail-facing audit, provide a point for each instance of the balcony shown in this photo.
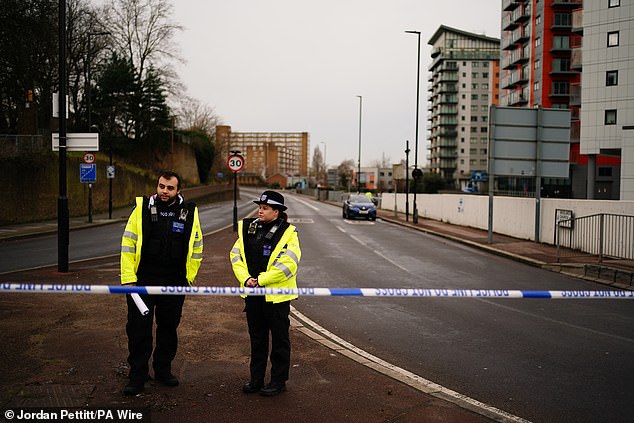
(517, 99)
(567, 4)
(508, 22)
(518, 76)
(576, 59)
(577, 21)
(510, 4)
(575, 95)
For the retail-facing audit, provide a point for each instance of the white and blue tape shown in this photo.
(314, 292)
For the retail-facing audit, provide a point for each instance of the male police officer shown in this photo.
(162, 245)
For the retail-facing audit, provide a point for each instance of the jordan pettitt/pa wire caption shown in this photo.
(77, 415)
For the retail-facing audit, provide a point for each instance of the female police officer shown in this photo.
(267, 254)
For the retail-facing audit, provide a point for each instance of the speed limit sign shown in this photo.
(89, 158)
(235, 162)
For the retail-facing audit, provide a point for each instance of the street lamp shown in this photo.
(416, 172)
(359, 161)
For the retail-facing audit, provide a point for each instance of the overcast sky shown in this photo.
(298, 66)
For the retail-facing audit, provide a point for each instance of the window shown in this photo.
(613, 39)
(561, 41)
(485, 64)
(474, 96)
(474, 75)
(484, 108)
(612, 78)
(536, 86)
(563, 19)
(485, 74)
(484, 118)
(474, 107)
(473, 151)
(538, 19)
(484, 129)
(610, 117)
(464, 85)
(461, 117)
(484, 140)
(483, 151)
(474, 118)
(475, 64)
(614, 3)
(485, 97)
(561, 65)
(485, 86)
(474, 129)
(473, 140)
(462, 107)
(538, 41)
(605, 171)
(561, 88)
(474, 86)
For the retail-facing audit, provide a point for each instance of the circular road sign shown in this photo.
(235, 162)
(89, 158)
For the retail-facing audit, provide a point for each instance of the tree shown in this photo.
(28, 64)
(143, 31)
(114, 98)
(196, 116)
(318, 166)
(345, 172)
(432, 183)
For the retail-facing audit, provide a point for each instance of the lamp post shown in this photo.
(407, 150)
(325, 164)
(359, 161)
(416, 173)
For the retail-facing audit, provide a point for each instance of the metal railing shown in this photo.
(603, 235)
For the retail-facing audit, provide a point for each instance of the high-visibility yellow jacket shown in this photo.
(281, 270)
(132, 243)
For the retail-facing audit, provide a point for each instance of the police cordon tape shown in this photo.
(314, 292)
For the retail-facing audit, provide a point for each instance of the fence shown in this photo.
(603, 235)
(20, 145)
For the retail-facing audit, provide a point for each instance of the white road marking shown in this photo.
(332, 341)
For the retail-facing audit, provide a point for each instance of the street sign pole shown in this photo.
(63, 220)
(235, 162)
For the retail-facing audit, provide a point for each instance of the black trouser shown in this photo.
(168, 310)
(264, 318)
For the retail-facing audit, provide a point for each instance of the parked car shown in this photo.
(359, 206)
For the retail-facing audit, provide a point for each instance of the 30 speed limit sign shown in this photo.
(235, 162)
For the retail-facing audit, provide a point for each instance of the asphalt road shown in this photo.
(542, 360)
(104, 240)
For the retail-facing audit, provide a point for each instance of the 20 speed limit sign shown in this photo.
(235, 162)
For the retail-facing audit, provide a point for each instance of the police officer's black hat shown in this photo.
(273, 199)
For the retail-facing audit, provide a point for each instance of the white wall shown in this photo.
(512, 216)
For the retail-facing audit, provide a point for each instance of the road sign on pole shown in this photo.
(89, 158)
(235, 162)
(87, 173)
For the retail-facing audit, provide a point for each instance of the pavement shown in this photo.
(331, 380)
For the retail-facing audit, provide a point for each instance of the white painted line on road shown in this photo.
(332, 341)
(341, 229)
(306, 204)
(391, 261)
